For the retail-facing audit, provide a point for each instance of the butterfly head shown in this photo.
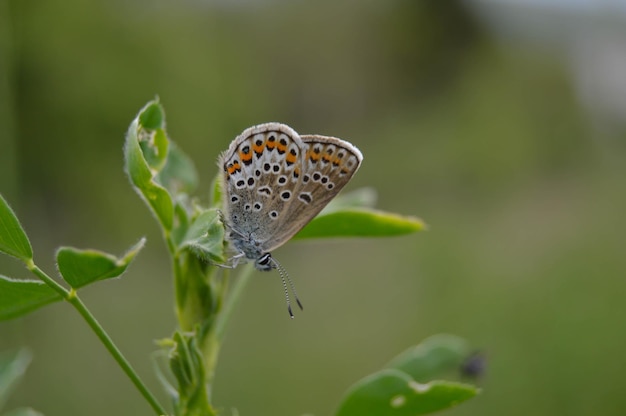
(265, 263)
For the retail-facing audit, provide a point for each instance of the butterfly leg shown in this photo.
(231, 262)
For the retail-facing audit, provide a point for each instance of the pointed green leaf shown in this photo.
(155, 147)
(82, 267)
(197, 297)
(205, 236)
(12, 368)
(18, 297)
(216, 192)
(432, 357)
(187, 365)
(393, 392)
(181, 219)
(152, 137)
(160, 366)
(360, 222)
(179, 174)
(13, 239)
(145, 152)
(152, 115)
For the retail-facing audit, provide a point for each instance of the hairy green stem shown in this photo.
(72, 297)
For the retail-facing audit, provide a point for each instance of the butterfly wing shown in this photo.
(258, 164)
(326, 165)
(276, 181)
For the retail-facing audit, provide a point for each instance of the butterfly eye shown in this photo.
(264, 260)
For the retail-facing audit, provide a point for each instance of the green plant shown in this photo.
(165, 177)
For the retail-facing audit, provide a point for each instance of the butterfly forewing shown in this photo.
(328, 164)
(256, 166)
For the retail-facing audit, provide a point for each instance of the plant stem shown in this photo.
(72, 297)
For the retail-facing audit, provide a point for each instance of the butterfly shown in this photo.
(275, 182)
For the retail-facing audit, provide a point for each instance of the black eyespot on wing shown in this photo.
(305, 197)
(265, 190)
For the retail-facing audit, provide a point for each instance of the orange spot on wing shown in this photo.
(245, 156)
(291, 158)
(234, 168)
(313, 156)
(258, 148)
(281, 147)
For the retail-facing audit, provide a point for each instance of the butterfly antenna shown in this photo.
(284, 277)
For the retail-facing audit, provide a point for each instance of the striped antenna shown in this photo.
(284, 277)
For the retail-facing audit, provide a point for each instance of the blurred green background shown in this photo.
(502, 126)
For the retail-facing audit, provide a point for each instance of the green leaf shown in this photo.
(13, 239)
(18, 297)
(181, 218)
(197, 292)
(179, 174)
(360, 222)
(152, 137)
(187, 365)
(82, 267)
(205, 236)
(152, 115)
(216, 192)
(12, 368)
(145, 152)
(393, 392)
(359, 198)
(432, 357)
